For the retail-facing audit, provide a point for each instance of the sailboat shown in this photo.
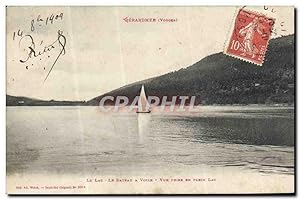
(143, 105)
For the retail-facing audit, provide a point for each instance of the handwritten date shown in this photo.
(39, 21)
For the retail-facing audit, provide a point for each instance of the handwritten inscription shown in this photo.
(39, 21)
(32, 48)
(34, 52)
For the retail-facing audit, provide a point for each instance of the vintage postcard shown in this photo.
(150, 100)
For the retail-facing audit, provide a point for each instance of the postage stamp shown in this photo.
(250, 36)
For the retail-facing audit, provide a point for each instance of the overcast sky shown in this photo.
(103, 52)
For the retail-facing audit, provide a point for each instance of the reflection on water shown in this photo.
(84, 140)
(143, 125)
(256, 131)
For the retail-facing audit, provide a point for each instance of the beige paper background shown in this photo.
(104, 53)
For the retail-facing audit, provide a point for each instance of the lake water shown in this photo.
(83, 140)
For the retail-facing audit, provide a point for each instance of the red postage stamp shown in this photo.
(250, 36)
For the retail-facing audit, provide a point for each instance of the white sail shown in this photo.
(143, 105)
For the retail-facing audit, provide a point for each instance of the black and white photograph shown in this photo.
(150, 100)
